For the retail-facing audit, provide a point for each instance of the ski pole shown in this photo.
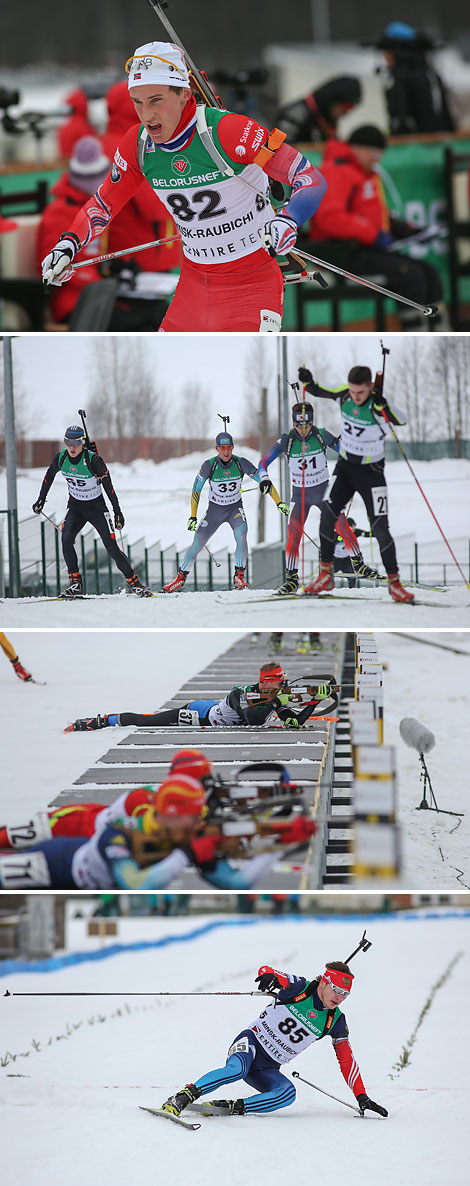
(211, 554)
(428, 310)
(56, 525)
(295, 1075)
(136, 994)
(385, 351)
(101, 259)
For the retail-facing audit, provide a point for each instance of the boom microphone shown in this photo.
(416, 735)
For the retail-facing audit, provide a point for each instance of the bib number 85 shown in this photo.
(294, 1032)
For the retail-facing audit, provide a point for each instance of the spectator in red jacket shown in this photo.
(77, 125)
(353, 227)
(87, 169)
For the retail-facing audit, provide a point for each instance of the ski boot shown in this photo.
(87, 724)
(324, 581)
(362, 569)
(75, 589)
(276, 641)
(175, 584)
(136, 586)
(177, 1103)
(291, 583)
(309, 642)
(20, 671)
(239, 581)
(222, 1107)
(396, 590)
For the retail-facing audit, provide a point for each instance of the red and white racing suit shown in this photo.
(246, 292)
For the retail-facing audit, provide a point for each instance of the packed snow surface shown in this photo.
(69, 1099)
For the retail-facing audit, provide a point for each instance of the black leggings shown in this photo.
(94, 512)
(369, 482)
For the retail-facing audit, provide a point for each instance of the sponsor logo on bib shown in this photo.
(180, 163)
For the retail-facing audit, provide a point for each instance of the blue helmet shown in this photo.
(74, 435)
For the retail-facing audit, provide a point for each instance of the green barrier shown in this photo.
(414, 180)
(25, 182)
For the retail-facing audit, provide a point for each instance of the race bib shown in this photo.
(380, 500)
(28, 871)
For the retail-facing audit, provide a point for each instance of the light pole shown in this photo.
(10, 458)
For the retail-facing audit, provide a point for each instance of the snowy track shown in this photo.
(243, 610)
(73, 1099)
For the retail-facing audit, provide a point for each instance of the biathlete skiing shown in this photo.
(305, 448)
(365, 414)
(269, 700)
(85, 473)
(225, 474)
(304, 1011)
(211, 169)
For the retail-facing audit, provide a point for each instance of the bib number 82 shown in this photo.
(182, 210)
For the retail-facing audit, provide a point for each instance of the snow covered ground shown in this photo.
(155, 501)
(68, 1101)
(89, 672)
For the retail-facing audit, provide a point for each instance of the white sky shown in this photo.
(55, 371)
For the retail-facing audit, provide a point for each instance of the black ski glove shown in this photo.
(305, 375)
(265, 485)
(38, 505)
(267, 982)
(364, 1102)
(119, 519)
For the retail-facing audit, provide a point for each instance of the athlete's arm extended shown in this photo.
(199, 482)
(348, 1065)
(226, 876)
(128, 874)
(122, 182)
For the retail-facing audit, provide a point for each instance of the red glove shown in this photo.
(299, 832)
(204, 849)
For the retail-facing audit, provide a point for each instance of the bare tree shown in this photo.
(260, 374)
(124, 399)
(194, 408)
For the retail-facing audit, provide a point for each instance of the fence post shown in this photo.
(146, 566)
(229, 563)
(416, 562)
(97, 571)
(57, 562)
(83, 554)
(43, 557)
(162, 567)
(210, 574)
(110, 574)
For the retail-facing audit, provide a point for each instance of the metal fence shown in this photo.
(34, 545)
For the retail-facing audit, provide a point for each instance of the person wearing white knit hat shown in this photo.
(210, 168)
